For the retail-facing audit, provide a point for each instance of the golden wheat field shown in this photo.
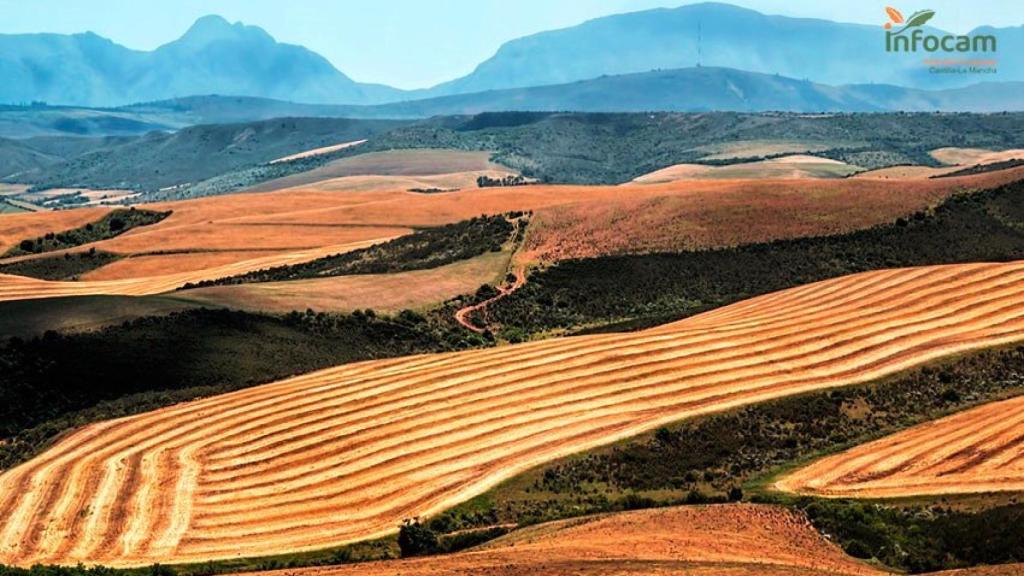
(974, 451)
(723, 540)
(24, 288)
(345, 454)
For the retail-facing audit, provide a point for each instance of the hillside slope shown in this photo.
(733, 540)
(346, 453)
(976, 451)
(159, 160)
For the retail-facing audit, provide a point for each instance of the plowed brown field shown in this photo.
(344, 454)
(979, 450)
(737, 540)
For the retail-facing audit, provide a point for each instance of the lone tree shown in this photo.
(415, 539)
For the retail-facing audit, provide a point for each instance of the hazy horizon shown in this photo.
(409, 44)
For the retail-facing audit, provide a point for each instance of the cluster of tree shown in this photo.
(432, 190)
(922, 538)
(427, 248)
(418, 539)
(65, 267)
(509, 180)
(112, 224)
(635, 291)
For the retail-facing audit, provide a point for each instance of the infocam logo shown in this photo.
(911, 36)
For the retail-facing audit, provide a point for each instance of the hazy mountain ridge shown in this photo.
(684, 90)
(710, 88)
(213, 56)
(731, 37)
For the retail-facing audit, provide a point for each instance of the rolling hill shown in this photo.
(159, 159)
(977, 451)
(346, 453)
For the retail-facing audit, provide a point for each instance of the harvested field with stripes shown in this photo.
(976, 451)
(345, 454)
(23, 288)
(725, 540)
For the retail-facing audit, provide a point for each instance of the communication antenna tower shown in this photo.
(699, 40)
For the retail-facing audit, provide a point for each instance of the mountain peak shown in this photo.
(212, 28)
(209, 25)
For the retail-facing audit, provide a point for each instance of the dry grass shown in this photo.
(734, 539)
(419, 162)
(387, 293)
(159, 264)
(570, 221)
(716, 213)
(22, 288)
(12, 189)
(344, 454)
(240, 237)
(318, 151)
(207, 229)
(795, 166)
(17, 227)
(975, 451)
(445, 182)
(95, 197)
(971, 156)
(901, 172)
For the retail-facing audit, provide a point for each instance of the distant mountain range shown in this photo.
(685, 90)
(729, 36)
(212, 57)
(633, 53)
(706, 89)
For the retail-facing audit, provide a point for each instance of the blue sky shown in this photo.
(418, 43)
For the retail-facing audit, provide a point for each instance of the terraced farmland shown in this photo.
(346, 453)
(979, 450)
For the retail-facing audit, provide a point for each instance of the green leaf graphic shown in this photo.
(917, 19)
